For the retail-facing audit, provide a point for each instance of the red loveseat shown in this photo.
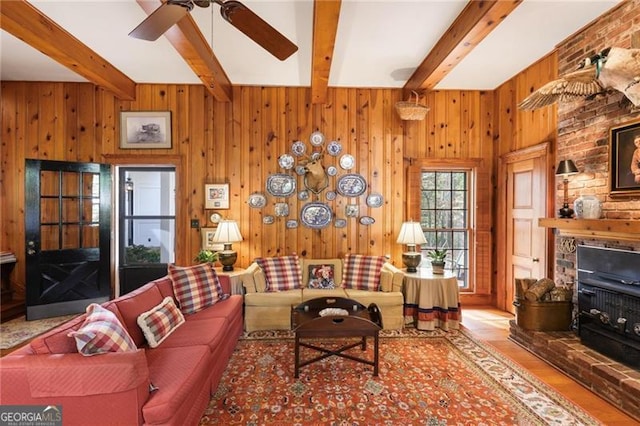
(114, 388)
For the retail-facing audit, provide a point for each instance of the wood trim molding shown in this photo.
(27, 23)
(190, 43)
(326, 14)
(473, 24)
(610, 229)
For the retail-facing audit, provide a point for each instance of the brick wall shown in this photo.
(583, 128)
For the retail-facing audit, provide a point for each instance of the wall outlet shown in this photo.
(195, 223)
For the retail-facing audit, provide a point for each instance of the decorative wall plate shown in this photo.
(334, 148)
(257, 200)
(340, 223)
(316, 215)
(282, 209)
(315, 155)
(351, 185)
(300, 170)
(286, 161)
(268, 220)
(351, 210)
(332, 171)
(292, 223)
(374, 199)
(316, 138)
(215, 217)
(298, 148)
(303, 195)
(330, 195)
(347, 162)
(281, 185)
(367, 220)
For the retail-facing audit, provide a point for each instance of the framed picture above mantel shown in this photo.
(624, 159)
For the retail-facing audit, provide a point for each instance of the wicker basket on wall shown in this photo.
(410, 110)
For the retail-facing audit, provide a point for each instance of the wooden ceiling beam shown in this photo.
(187, 39)
(474, 23)
(326, 14)
(27, 23)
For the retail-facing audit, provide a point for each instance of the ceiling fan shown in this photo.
(234, 12)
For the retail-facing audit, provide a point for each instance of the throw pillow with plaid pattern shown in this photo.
(362, 272)
(160, 321)
(101, 332)
(195, 287)
(281, 273)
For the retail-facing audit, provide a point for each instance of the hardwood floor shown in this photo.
(492, 326)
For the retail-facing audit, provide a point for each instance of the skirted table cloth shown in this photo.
(431, 300)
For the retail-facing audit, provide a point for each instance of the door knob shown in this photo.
(535, 259)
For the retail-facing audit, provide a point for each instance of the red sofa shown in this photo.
(114, 388)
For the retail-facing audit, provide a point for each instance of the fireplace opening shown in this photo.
(609, 302)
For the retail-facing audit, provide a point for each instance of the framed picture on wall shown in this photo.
(624, 159)
(207, 240)
(145, 129)
(216, 196)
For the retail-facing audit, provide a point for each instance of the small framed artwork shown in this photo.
(207, 240)
(145, 129)
(624, 159)
(216, 196)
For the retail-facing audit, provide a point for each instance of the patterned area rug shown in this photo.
(426, 378)
(18, 330)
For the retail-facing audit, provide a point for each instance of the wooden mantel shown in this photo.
(595, 228)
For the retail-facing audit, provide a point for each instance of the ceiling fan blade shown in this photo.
(258, 30)
(160, 21)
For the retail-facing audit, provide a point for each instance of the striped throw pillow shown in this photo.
(362, 272)
(101, 332)
(160, 321)
(195, 287)
(281, 273)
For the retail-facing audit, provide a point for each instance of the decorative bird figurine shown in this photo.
(613, 68)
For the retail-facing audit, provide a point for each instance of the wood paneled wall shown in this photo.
(240, 143)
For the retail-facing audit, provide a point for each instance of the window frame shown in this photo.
(479, 177)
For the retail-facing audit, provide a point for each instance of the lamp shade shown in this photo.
(227, 232)
(566, 167)
(411, 233)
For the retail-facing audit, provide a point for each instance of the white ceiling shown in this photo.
(378, 44)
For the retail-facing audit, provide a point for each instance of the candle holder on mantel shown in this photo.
(565, 169)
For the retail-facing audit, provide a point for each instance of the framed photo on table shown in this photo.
(216, 196)
(624, 159)
(207, 240)
(145, 129)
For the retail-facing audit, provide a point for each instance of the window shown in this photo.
(445, 217)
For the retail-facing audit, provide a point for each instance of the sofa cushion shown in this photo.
(101, 332)
(314, 293)
(132, 304)
(362, 272)
(321, 276)
(195, 287)
(281, 273)
(280, 298)
(160, 321)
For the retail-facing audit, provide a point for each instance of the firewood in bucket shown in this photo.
(537, 290)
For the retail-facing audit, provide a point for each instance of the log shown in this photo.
(539, 289)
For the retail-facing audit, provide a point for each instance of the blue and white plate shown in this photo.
(332, 170)
(351, 185)
(316, 138)
(298, 148)
(334, 148)
(330, 195)
(286, 161)
(374, 199)
(257, 200)
(347, 162)
(316, 215)
(367, 220)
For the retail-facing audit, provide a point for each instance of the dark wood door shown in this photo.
(68, 225)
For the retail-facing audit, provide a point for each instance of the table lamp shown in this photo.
(411, 234)
(227, 232)
(566, 168)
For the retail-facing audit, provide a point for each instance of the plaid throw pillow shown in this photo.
(195, 287)
(362, 272)
(281, 273)
(160, 321)
(101, 332)
(321, 276)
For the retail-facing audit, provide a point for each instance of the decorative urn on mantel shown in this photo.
(587, 207)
